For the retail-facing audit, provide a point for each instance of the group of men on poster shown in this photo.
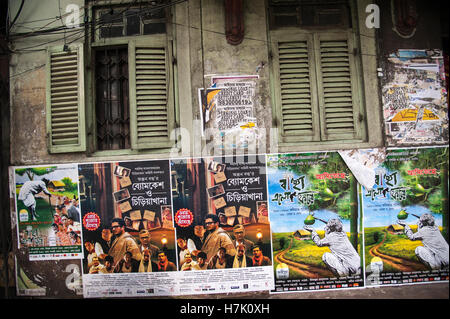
(120, 252)
(213, 248)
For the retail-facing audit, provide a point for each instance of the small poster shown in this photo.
(415, 98)
(313, 206)
(48, 213)
(406, 218)
(229, 113)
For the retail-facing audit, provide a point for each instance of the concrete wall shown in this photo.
(201, 49)
(28, 77)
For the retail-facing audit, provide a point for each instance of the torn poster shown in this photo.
(414, 97)
(362, 163)
(227, 108)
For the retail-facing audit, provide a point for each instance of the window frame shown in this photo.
(172, 107)
(287, 33)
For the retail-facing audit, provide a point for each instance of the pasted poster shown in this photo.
(415, 98)
(406, 218)
(48, 278)
(128, 230)
(222, 224)
(313, 206)
(48, 214)
(228, 111)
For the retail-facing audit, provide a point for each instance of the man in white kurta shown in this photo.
(27, 192)
(434, 252)
(343, 259)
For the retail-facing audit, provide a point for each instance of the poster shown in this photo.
(315, 222)
(222, 224)
(192, 226)
(362, 163)
(415, 98)
(406, 218)
(128, 230)
(48, 278)
(228, 111)
(48, 214)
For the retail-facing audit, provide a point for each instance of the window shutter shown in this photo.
(338, 92)
(151, 97)
(65, 100)
(295, 93)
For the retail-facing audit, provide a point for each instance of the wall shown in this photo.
(28, 78)
(201, 50)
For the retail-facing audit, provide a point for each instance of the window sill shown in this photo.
(324, 146)
(128, 154)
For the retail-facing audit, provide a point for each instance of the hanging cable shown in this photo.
(17, 16)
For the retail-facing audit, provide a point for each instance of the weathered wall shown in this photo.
(426, 36)
(201, 49)
(409, 89)
(28, 78)
(221, 58)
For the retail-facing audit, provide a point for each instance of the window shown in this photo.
(112, 99)
(129, 72)
(119, 21)
(308, 13)
(65, 100)
(314, 73)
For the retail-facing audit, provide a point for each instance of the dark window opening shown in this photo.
(112, 110)
(118, 21)
(309, 13)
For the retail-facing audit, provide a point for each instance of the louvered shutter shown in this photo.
(338, 92)
(295, 93)
(65, 100)
(151, 97)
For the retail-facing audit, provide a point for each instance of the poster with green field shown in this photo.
(406, 218)
(48, 215)
(313, 207)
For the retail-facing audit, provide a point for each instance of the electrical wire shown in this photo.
(98, 24)
(17, 15)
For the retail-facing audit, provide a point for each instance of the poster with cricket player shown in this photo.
(313, 207)
(406, 218)
(47, 208)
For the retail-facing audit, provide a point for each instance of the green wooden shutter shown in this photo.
(65, 100)
(296, 100)
(151, 95)
(337, 86)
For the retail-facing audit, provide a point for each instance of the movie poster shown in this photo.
(128, 230)
(48, 214)
(222, 224)
(313, 206)
(406, 218)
